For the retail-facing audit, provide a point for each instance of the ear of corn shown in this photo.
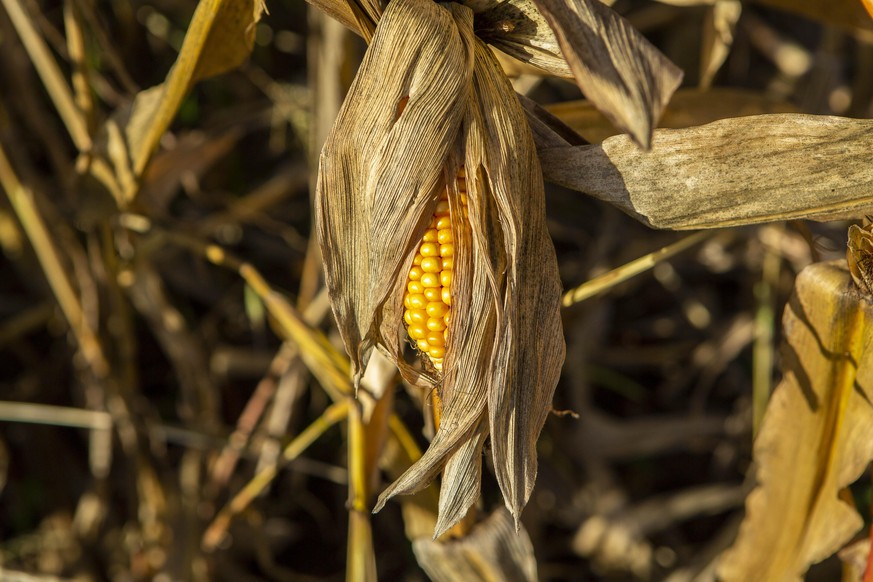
(428, 297)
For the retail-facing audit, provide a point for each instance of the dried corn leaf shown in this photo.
(734, 171)
(817, 434)
(219, 38)
(493, 550)
(528, 350)
(625, 77)
(688, 107)
(517, 28)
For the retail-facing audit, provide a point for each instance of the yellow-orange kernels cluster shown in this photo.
(428, 298)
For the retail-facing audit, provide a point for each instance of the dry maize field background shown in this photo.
(454, 291)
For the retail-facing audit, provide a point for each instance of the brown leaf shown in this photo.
(503, 171)
(735, 171)
(687, 107)
(626, 77)
(493, 550)
(517, 28)
(817, 434)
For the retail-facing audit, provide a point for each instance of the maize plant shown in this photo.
(431, 217)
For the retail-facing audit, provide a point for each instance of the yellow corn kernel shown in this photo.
(435, 324)
(447, 250)
(433, 294)
(418, 316)
(417, 302)
(442, 208)
(423, 345)
(415, 273)
(437, 353)
(430, 280)
(432, 265)
(429, 249)
(444, 236)
(437, 309)
(407, 317)
(430, 235)
(417, 332)
(445, 279)
(436, 339)
(447, 296)
(415, 287)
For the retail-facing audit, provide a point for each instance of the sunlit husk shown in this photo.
(379, 173)
(493, 550)
(378, 184)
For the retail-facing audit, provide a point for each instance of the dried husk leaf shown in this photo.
(506, 345)
(380, 173)
(626, 77)
(493, 550)
(731, 172)
(817, 434)
(517, 28)
(507, 194)
(461, 481)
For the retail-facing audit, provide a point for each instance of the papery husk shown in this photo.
(493, 550)
(506, 343)
(380, 170)
(621, 72)
(731, 172)
(529, 347)
(378, 185)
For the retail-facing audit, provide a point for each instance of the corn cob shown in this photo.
(428, 297)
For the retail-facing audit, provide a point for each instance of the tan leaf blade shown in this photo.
(383, 162)
(219, 38)
(461, 482)
(817, 434)
(517, 28)
(627, 78)
(731, 172)
(687, 107)
(493, 550)
(529, 345)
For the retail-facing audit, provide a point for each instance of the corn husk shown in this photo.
(428, 99)
(493, 550)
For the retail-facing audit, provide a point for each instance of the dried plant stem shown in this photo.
(28, 214)
(50, 73)
(216, 530)
(762, 354)
(360, 558)
(621, 274)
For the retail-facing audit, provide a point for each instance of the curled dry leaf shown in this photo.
(731, 172)
(429, 101)
(859, 257)
(493, 550)
(795, 517)
(625, 77)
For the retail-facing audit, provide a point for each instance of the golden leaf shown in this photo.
(817, 433)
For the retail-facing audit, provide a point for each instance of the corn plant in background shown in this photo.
(431, 246)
